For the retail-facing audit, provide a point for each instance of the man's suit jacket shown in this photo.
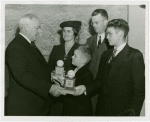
(79, 105)
(29, 80)
(120, 84)
(97, 52)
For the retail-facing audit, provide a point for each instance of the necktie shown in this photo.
(99, 42)
(36, 49)
(113, 55)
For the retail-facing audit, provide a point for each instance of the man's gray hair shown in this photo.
(26, 20)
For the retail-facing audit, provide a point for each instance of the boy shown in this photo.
(80, 105)
(121, 76)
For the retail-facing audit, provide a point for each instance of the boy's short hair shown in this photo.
(86, 52)
(119, 24)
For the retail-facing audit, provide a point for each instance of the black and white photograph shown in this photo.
(74, 60)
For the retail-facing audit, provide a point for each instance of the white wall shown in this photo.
(136, 36)
(136, 20)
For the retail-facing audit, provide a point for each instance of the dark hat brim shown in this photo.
(74, 24)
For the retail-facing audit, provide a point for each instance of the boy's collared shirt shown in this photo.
(120, 48)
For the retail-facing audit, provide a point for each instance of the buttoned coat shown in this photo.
(29, 80)
(120, 84)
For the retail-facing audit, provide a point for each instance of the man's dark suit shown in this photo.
(120, 84)
(97, 52)
(29, 80)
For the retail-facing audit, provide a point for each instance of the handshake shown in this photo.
(56, 90)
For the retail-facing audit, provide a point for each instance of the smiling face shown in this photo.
(68, 34)
(99, 23)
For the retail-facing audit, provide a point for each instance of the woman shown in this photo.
(64, 51)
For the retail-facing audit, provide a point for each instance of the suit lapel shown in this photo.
(107, 59)
(71, 50)
(97, 51)
(39, 55)
(118, 62)
(102, 47)
(35, 52)
(61, 51)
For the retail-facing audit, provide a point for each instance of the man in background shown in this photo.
(29, 77)
(98, 42)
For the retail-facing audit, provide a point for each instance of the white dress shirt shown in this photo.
(120, 48)
(102, 37)
(25, 37)
(75, 70)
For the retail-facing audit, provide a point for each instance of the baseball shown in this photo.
(60, 63)
(71, 74)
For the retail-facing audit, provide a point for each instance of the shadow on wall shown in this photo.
(61, 37)
(91, 29)
(17, 31)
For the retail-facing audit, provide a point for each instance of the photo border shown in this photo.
(94, 118)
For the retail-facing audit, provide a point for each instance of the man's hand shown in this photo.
(79, 90)
(56, 90)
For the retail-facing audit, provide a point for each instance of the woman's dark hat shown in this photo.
(75, 24)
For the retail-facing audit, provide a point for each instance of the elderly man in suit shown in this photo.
(98, 42)
(29, 77)
(121, 77)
